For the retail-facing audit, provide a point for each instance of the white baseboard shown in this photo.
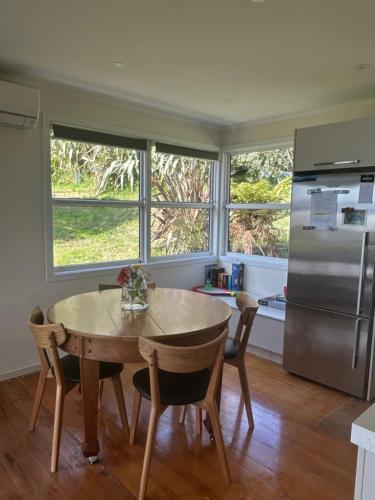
(19, 371)
(263, 353)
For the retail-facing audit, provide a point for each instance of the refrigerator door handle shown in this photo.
(343, 162)
(362, 272)
(355, 347)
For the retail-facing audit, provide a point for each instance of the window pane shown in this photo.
(176, 231)
(261, 177)
(259, 232)
(87, 235)
(81, 170)
(179, 178)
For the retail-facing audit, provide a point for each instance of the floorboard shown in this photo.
(296, 451)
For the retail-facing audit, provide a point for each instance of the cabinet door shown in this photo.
(337, 145)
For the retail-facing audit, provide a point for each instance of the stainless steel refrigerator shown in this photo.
(330, 303)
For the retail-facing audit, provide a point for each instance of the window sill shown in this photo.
(256, 261)
(110, 270)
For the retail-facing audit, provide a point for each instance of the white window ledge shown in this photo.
(256, 261)
(109, 270)
(267, 312)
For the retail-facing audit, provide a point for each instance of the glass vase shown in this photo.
(134, 297)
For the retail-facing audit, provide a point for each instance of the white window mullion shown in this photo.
(180, 204)
(71, 202)
(257, 206)
(146, 250)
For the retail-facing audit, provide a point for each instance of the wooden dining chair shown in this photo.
(235, 349)
(178, 376)
(66, 373)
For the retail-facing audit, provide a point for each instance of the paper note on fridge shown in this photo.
(366, 189)
(324, 210)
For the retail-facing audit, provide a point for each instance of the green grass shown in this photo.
(84, 235)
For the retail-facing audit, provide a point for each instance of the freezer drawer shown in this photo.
(327, 347)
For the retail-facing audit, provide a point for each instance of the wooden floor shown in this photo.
(288, 455)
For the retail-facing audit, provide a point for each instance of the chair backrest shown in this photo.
(248, 308)
(47, 337)
(106, 286)
(178, 359)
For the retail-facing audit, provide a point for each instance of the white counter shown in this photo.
(268, 312)
(363, 435)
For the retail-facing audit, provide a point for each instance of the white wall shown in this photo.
(261, 279)
(22, 262)
(282, 129)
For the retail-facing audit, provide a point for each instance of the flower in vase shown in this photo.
(133, 276)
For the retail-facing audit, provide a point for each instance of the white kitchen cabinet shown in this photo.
(337, 145)
(363, 435)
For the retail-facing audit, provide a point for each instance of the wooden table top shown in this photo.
(171, 312)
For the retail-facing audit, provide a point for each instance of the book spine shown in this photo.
(262, 302)
(225, 283)
(237, 276)
(220, 280)
(208, 272)
(215, 275)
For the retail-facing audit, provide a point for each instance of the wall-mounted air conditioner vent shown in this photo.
(19, 105)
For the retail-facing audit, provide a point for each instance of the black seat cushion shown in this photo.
(70, 368)
(231, 349)
(175, 388)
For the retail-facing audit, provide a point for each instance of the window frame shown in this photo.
(210, 206)
(57, 273)
(260, 260)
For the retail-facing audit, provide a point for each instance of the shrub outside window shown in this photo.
(181, 201)
(259, 202)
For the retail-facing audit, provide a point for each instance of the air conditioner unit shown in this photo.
(19, 105)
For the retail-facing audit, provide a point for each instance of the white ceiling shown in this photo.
(192, 56)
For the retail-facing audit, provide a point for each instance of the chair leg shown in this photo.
(147, 458)
(59, 408)
(119, 393)
(100, 398)
(198, 420)
(137, 399)
(183, 414)
(38, 399)
(214, 417)
(245, 393)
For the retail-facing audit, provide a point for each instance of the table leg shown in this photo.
(207, 420)
(90, 393)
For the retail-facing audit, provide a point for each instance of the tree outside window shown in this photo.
(260, 192)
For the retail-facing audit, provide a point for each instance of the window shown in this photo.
(95, 180)
(181, 200)
(107, 209)
(259, 201)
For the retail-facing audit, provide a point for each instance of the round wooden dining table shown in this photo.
(99, 330)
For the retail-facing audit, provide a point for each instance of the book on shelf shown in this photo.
(237, 276)
(217, 277)
(208, 273)
(277, 301)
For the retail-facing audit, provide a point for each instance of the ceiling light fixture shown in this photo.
(118, 64)
(258, 1)
(229, 100)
